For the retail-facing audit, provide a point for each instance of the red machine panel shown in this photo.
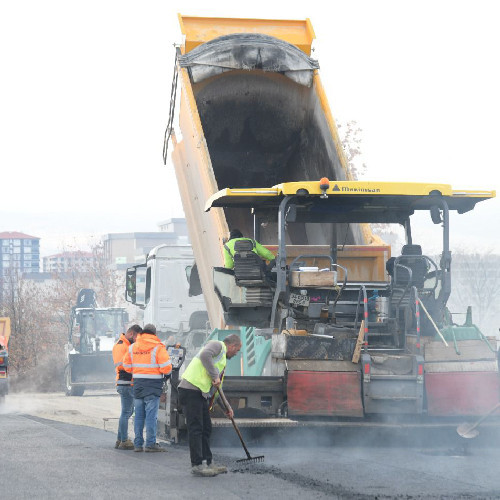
(461, 393)
(324, 394)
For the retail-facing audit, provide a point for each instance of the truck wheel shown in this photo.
(71, 390)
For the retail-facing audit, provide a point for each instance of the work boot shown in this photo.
(202, 471)
(218, 469)
(117, 443)
(126, 445)
(155, 448)
(138, 448)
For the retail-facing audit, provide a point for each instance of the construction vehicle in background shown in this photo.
(167, 288)
(4, 357)
(253, 114)
(92, 333)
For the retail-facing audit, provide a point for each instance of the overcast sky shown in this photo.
(85, 91)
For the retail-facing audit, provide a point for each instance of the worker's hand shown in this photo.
(216, 382)
(229, 413)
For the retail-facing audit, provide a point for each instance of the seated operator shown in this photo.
(236, 235)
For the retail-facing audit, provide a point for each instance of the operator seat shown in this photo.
(402, 281)
(249, 268)
(411, 258)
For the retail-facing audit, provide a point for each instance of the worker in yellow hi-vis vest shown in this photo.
(201, 377)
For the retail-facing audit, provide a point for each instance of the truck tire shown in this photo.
(71, 390)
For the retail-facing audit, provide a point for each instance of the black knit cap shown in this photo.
(235, 233)
(149, 328)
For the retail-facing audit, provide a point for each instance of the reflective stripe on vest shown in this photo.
(153, 363)
(197, 375)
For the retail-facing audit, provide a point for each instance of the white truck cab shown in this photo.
(161, 287)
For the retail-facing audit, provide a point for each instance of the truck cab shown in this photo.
(167, 288)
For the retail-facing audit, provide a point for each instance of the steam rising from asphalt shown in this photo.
(20, 404)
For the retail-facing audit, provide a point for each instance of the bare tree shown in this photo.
(350, 137)
(108, 283)
(350, 134)
(40, 313)
(32, 337)
(476, 282)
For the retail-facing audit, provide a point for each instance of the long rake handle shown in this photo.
(483, 417)
(226, 407)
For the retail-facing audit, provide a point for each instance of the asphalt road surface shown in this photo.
(56, 447)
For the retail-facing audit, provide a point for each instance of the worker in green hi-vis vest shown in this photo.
(199, 381)
(236, 235)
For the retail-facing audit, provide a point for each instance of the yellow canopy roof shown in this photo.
(361, 196)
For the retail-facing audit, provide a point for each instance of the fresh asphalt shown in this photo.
(45, 459)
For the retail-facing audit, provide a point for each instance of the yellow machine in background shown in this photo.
(4, 356)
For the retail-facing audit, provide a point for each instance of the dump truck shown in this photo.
(167, 288)
(92, 333)
(4, 357)
(253, 113)
(256, 123)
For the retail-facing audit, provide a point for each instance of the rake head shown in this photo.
(251, 460)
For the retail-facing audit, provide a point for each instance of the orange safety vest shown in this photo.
(119, 351)
(147, 358)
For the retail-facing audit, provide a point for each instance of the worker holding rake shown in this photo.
(200, 379)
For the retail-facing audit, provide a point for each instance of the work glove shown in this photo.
(166, 377)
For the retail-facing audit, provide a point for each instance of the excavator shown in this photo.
(338, 329)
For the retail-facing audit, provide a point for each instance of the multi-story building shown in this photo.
(19, 253)
(122, 250)
(68, 261)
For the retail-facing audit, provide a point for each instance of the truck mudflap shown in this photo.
(324, 389)
(463, 383)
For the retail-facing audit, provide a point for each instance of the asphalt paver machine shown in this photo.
(343, 344)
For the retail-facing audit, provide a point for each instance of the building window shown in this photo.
(27, 243)
(27, 250)
(17, 243)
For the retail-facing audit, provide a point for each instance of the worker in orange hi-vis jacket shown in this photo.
(148, 361)
(124, 386)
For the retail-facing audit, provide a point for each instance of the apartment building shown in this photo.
(68, 261)
(19, 253)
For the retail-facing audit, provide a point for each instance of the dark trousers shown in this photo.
(199, 425)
